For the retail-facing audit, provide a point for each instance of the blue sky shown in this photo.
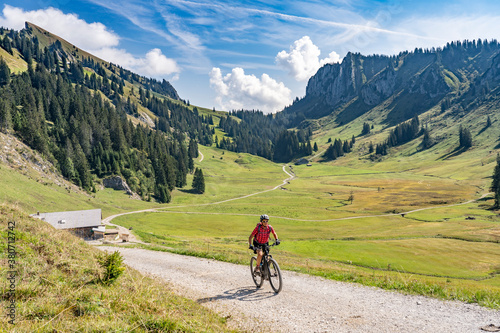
(250, 54)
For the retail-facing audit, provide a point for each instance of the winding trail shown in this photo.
(307, 303)
(108, 219)
(292, 176)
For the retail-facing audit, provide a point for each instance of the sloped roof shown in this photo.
(72, 219)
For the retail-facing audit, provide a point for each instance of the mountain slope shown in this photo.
(409, 83)
(73, 54)
(92, 119)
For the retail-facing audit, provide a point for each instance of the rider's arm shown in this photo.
(254, 232)
(274, 234)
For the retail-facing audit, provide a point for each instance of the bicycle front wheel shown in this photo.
(275, 276)
(257, 277)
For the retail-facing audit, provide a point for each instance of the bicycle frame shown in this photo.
(269, 270)
(265, 262)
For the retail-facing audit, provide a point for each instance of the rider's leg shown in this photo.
(260, 254)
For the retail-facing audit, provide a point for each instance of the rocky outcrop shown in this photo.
(492, 75)
(375, 79)
(379, 88)
(416, 78)
(146, 119)
(119, 184)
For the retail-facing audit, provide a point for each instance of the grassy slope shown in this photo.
(424, 252)
(15, 61)
(354, 250)
(428, 244)
(56, 288)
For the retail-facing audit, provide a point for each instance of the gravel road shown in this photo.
(306, 303)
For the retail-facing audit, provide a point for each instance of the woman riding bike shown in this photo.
(260, 237)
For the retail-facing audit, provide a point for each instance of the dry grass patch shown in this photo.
(59, 289)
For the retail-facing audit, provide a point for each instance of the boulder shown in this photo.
(119, 184)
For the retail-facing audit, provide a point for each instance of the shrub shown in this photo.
(112, 264)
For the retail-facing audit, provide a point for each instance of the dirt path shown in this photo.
(306, 303)
(132, 238)
(108, 219)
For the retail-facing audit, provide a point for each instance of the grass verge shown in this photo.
(57, 288)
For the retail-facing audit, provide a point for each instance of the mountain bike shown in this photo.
(269, 270)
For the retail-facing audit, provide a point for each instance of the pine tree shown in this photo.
(465, 138)
(163, 194)
(199, 181)
(4, 72)
(495, 184)
(5, 117)
(427, 141)
(308, 148)
(366, 129)
(315, 148)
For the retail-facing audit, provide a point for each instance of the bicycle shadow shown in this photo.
(245, 294)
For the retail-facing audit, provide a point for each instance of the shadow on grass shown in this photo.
(190, 191)
(454, 153)
(245, 294)
(485, 199)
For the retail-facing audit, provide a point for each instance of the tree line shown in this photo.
(338, 148)
(263, 135)
(86, 136)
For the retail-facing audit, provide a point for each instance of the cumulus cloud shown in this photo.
(154, 64)
(68, 26)
(302, 61)
(95, 38)
(237, 90)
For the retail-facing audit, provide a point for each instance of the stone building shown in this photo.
(85, 224)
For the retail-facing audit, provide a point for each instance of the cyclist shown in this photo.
(260, 237)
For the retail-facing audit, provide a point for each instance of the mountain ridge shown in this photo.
(425, 77)
(50, 40)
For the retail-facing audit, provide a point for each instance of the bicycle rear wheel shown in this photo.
(275, 276)
(257, 278)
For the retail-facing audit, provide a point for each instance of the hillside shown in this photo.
(91, 119)
(414, 220)
(62, 47)
(57, 287)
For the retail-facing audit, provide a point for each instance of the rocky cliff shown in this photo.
(412, 81)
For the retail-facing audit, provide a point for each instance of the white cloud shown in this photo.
(236, 90)
(95, 38)
(154, 64)
(303, 61)
(68, 26)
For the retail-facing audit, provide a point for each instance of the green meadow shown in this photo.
(410, 230)
(32, 192)
(394, 224)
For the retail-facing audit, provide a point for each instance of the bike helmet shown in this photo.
(264, 217)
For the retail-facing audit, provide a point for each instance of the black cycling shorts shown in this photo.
(258, 246)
